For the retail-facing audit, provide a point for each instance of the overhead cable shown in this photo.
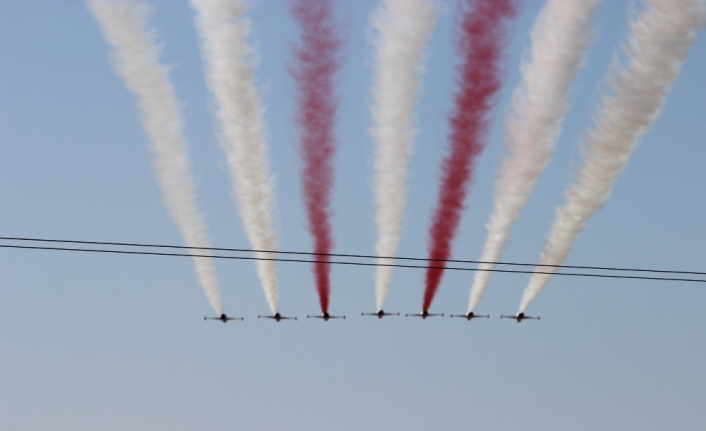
(358, 256)
(154, 253)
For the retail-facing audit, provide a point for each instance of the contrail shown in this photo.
(125, 27)
(223, 30)
(317, 61)
(660, 38)
(403, 29)
(560, 36)
(480, 44)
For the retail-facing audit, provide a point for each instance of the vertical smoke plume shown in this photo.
(559, 38)
(480, 44)
(136, 59)
(223, 31)
(317, 61)
(660, 38)
(403, 29)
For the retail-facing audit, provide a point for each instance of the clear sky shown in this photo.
(105, 342)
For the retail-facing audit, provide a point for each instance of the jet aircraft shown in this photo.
(223, 318)
(424, 314)
(326, 317)
(471, 315)
(276, 317)
(519, 317)
(380, 314)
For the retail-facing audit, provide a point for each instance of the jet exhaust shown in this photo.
(402, 31)
(659, 42)
(317, 60)
(480, 43)
(559, 38)
(223, 30)
(125, 26)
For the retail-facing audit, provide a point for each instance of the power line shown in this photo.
(359, 256)
(153, 253)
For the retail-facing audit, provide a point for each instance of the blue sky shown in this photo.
(117, 342)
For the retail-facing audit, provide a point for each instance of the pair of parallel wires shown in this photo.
(344, 259)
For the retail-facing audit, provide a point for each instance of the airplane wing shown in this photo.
(471, 317)
(380, 314)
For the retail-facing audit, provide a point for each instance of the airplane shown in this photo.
(326, 317)
(276, 317)
(519, 317)
(470, 315)
(424, 314)
(223, 318)
(380, 314)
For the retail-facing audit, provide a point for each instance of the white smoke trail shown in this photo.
(660, 38)
(560, 36)
(403, 29)
(125, 27)
(223, 31)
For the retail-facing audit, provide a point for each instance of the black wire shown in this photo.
(361, 256)
(152, 253)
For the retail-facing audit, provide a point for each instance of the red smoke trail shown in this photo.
(317, 61)
(480, 43)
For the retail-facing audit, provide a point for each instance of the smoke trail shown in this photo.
(403, 30)
(659, 42)
(317, 60)
(560, 36)
(223, 31)
(480, 44)
(125, 27)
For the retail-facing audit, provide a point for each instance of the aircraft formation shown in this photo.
(380, 314)
(657, 43)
